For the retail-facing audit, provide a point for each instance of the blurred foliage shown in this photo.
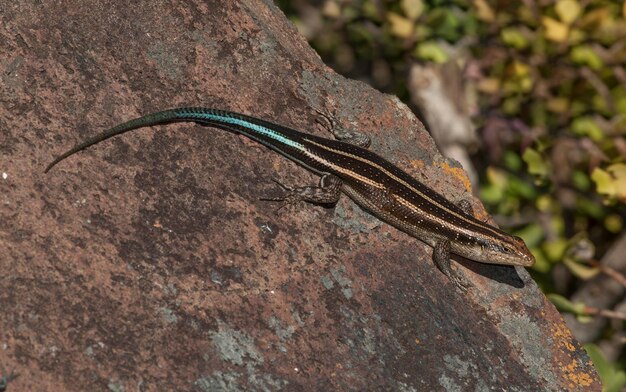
(613, 379)
(550, 79)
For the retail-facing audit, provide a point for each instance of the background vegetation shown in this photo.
(545, 82)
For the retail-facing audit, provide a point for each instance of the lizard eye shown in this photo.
(502, 249)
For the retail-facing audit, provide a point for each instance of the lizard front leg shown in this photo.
(441, 258)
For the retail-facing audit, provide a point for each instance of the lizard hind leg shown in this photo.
(340, 133)
(327, 192)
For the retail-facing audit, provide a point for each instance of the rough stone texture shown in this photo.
(149, 263)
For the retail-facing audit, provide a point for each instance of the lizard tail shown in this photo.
(164, 117)
(282, 139)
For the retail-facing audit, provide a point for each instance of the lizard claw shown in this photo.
(283, 186)
(288, 190)
(327, 115)
(289, 198)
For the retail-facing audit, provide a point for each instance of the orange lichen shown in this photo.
(565, 336)
(576, 378)
(459, 173)
(570, 371)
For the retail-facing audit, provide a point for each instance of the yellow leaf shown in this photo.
(400, 26)
(331, 10)
(520, 69)
(618, 171)
(555, 30)
(604, 183)
(567, 10)
(489, 85)
(484, 11)
(412, 8)
(544, 203)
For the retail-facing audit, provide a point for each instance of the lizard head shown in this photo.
(510, 251)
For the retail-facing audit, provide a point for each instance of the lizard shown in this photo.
(347, 166)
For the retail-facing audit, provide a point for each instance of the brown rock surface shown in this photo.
(149, 263)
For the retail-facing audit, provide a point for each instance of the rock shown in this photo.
(148, 262)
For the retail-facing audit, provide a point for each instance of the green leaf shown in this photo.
(445, 23)
(520, 188)
(586, 126)
(511, 105)
(599, 104)
(537, 164)
(512, 161)
(565, 305)
(614, 223)
(612, 378)
(532, 234)
(555, 249)
(580, 270)
(431, 51)
(491, 194)
(588, 207)
(514, 38)
(581, 180)
(541, 263)
(585, 55)
(544, 203)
